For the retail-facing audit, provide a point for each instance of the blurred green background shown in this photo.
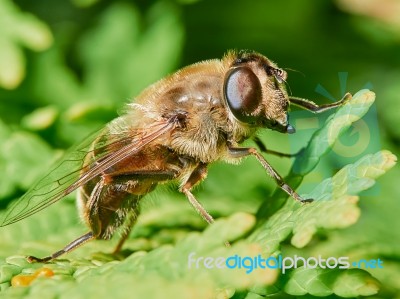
(68, 66)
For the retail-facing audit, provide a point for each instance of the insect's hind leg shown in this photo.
(115, 207)
(128, 225)
(71, 246)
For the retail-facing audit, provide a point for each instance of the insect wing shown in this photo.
(73, 172)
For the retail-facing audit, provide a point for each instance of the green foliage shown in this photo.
(18, 29)
(322, 282)
(66, 67)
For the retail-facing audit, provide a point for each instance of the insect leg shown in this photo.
(71, 246)
(264, 149)
(198, 174)
(243, 151)
(74, 244)
(120, 197)
(311, 106)
(132, 217)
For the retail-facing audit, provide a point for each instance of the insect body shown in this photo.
(173, 130)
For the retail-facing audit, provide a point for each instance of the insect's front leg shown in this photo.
(311, 106)
(239, 152)
(264, 149)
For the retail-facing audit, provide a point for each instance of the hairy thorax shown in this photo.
(204, 135)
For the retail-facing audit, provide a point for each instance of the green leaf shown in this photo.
(6, 186)
(94, 98)
(334, 205)
(337, 123)
(41, 118)
(324, 282)
(18, 29)
(27, 157)
(84, 3)
(354, 178)
(166, 265)
(321, 142)
(59, 223)
(119, 26)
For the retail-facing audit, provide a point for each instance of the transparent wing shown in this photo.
(74, 170)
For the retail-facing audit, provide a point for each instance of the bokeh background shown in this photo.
(68, 66)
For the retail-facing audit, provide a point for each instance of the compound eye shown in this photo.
(242, 92)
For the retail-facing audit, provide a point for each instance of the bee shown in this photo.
(172, 131)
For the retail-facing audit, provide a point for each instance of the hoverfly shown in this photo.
(173, 130)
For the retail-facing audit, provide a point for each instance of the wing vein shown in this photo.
(23, 207)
